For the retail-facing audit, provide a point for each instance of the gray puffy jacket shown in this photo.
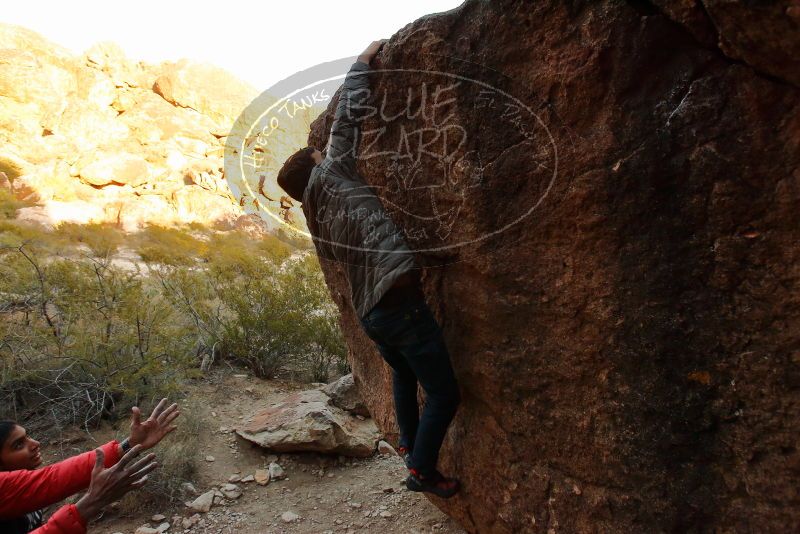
(347, 221)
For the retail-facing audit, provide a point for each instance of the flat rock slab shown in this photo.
(306, 421)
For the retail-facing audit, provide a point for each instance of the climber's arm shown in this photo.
(25, 491)
(351, 109)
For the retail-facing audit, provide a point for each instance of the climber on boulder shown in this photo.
(349, 225)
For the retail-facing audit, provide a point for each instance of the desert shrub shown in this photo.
(80, 337)
(245, 305)
(260, 331)
(282, 316)
(319, 341)
(259, 310)
(229, 250)
(192, 294)
(168, 246)
(9, 204)
(102, 240)
(14, 233)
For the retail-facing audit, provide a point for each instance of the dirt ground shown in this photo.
(329, 494)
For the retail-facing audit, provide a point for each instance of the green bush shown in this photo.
(168, 246)
(9, 204)
(319, 335)
(14, 233)
(82, 338)
(103, 240)
(282, 316)
(229, 250)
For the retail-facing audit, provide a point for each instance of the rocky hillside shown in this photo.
(101, 137)
(610, 235)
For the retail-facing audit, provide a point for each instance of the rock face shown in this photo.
(102, 138)
(619, 284)
(344, 394)
(187, 84)
(306, 421)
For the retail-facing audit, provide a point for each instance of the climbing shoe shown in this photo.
(437, 484)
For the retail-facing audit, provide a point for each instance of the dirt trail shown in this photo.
(328, 493)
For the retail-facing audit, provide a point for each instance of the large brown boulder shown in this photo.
(613, 257)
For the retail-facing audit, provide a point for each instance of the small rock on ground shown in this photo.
(203, 503)
(289, 517)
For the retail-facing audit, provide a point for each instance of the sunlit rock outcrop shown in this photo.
(100, 137)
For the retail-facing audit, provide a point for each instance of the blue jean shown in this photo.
(410, 340)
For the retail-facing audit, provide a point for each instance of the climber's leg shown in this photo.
(404, 389)
(428, 357)
(382, 324)
(410, 329)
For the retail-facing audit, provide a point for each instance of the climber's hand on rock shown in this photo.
(369, 52)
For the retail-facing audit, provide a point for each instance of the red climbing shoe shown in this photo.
(437, 484)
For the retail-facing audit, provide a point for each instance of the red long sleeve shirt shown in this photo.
(26, 491)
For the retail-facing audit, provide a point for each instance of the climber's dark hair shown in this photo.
(293, 176)
(5, 430)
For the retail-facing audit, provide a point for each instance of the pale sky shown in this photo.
(260, 42)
